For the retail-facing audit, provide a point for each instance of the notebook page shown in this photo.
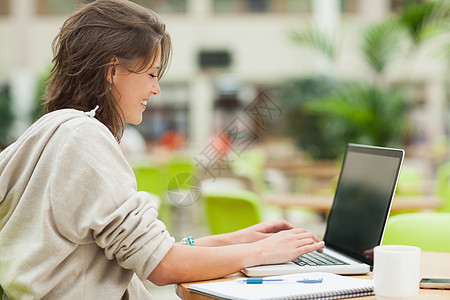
(332, 285)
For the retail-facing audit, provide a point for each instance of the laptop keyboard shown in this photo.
(317, 259)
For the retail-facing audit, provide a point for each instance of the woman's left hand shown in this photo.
(261, 231)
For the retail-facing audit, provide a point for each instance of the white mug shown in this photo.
(396, 271)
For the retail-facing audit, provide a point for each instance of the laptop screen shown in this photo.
(362, 200)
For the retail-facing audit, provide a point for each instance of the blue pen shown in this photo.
(307, 280)
(260, 280)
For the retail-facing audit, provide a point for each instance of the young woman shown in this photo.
(72, 224)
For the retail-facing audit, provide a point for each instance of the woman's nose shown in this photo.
(155, 87)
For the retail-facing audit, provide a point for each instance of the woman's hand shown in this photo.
(252, 234)
(260, 231)
(287, 245)
(185, 263)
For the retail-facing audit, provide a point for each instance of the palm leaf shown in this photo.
(316, 39)
(364, 114)
(425, 20)
(380, 44)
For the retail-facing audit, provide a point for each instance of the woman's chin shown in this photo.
(135, 121)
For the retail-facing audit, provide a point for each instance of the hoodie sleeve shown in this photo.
(93, 198)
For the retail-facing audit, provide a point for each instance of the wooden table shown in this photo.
(322, 202)
(433, 264)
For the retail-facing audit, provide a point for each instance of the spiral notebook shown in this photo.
(333, 286)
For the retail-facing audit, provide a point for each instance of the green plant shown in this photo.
(316, 39)
(306, 129)
(38, 108)
(324, 114)
(6, 116)
(425, 20)
(363, 114)
(381, 43)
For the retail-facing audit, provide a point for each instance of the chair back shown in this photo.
(181, 164)
(152, 178)
(427, 230)
(443, 185)
(250, 163)
(231, 210)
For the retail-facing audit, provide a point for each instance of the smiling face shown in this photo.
(133, 90)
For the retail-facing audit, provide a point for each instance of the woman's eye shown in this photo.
(152, 75)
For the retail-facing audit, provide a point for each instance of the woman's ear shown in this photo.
(112, 70)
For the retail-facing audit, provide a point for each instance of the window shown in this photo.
(214, 59)
(258, 5)
(299, 5)
(160, 120)
(55, 7)
(261, 6)
(58, 7)
(169, 112)
(224, 6)
(175, 6)
(349, 6)
(164, 6)
(52, 7)
(5, 7)
(397, 6)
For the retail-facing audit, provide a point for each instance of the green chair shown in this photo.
(443, 185)
(180, 165)
(152, 178)
(183, 186)
(410, 182)
(231, 210)
(427, 230)
(250, 163)
(183, 193)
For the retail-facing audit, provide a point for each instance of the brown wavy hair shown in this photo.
(95, 38)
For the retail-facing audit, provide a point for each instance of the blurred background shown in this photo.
(263, 96)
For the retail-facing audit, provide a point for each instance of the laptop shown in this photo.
(358, 216)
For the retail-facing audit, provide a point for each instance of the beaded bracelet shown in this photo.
(187, 240)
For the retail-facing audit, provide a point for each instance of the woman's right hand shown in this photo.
(287, 245)
(185, 263)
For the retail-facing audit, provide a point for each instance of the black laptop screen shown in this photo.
(362, 200)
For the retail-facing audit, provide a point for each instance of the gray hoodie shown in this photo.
(72, 224)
